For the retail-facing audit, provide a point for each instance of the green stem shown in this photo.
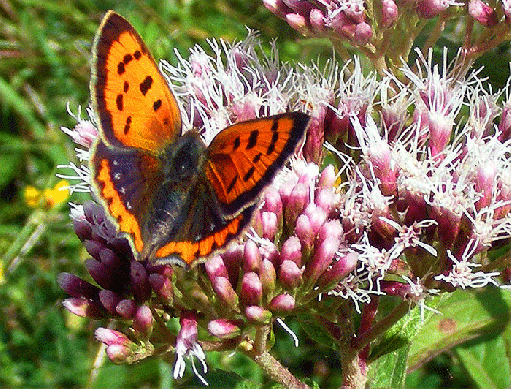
(256, 350)
(380, 327)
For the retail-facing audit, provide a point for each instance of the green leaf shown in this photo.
(316, 331)
(464, 315)
(487, 362)
(389, 370)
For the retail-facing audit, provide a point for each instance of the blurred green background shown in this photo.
(44, 65)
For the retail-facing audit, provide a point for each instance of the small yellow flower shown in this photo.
(49, 198)
(57, 195)
(32, 196)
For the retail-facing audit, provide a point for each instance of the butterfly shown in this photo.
(177, 199)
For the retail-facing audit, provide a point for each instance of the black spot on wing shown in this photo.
(252, 140)
(127, 125)
(120, 68)
(231, 185)
(119, 101)
(157, 104)
(249, 174)
(237, 143)
(146, 85)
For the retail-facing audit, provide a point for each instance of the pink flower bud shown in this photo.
(317, 21)
(139, 282)
(483, 13)
(109, 300)
(126, 308)
(283, 303)
(430, 8)
(162, 286)
(110, 337)
(385, 170)
(243, 109)
(313, 147)
(394, 288)
(327, 177)
(363, 33)
(268, 277)
(332, 229)
(269, 225)
(326, 199)
(99, 272)
(298, 22)
(258, 315)
(76, 287)
(251, 289)
(292, 250)
(506, 6)
(389, 13)
(277, 7)
(225, 292)
(484, 184)
(84, 133)
(233, 258)
(317, 216)
(84, 308)
(297, 201)
(143, 320)
(505, 120)
(339, 269)
(448, 224)
(251, 257)
(440, 130)
(118, 354)
(215, 267)
(321, 260)
(224, 329)
(290, 275)
(304, 231)
(272, 201)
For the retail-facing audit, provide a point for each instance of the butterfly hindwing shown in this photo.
(188, 225)
(130, 95)
(244, 158)
(125, 180)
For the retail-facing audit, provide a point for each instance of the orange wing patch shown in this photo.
(126, 221)
(135, 105)
(245, 157)
(190, 251)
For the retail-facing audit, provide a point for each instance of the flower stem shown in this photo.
(256, 350)
(277, 372)
(388, 321)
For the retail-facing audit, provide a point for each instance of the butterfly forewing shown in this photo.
(125, 180)
(244, 157)
(135, 105)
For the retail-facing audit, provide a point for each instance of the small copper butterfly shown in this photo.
(177, 199)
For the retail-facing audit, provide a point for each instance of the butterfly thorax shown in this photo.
(182, 165)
